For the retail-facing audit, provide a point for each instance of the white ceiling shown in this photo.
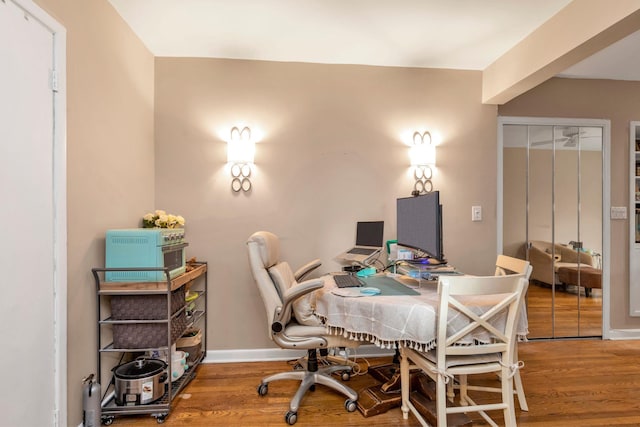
(457, 34)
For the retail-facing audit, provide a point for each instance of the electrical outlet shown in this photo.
(618, 212)
(476, 213)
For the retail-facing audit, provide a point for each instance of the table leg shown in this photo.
(404, 385)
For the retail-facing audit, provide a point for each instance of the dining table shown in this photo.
(392, 309)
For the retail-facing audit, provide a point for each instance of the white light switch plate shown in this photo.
(476, 213)
(618, 212)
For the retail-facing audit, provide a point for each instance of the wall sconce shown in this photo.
(423, 159)
(240, 153)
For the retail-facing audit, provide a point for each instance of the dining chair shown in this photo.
(510, 265)
(505, 265)
(475, 334)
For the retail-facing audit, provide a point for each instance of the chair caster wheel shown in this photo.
(291, 417)
(107, 421)
(346, 375)
(350, 405)
(263, 389)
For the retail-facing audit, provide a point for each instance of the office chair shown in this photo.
(470, 343)
(293, 328)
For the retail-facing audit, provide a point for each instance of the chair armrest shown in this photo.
(585, 258)
(571, 255)
(292, 294)
(306, 269)
(303, 288)
(278, 327)
(536, 254)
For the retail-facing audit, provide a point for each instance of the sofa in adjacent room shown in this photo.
(544, 269)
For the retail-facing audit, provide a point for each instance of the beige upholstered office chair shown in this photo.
(470, 342)
(291, 323)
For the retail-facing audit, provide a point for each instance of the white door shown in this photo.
(30, 259)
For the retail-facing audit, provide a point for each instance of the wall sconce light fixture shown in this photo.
(423, 159)
(240, 153)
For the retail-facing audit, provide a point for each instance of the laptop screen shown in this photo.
(369, 233)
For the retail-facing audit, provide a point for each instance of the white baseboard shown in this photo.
(624, 334)
(274, 354)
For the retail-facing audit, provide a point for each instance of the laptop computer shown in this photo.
(368, 242)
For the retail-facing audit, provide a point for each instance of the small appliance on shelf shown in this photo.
(160, 248)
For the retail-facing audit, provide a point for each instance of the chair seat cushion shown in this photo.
(294, 329)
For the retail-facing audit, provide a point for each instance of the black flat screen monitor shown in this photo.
(419, 224)
(369, 233)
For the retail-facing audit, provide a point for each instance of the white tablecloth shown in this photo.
(387, 320)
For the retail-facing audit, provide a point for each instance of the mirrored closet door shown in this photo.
(552, 216)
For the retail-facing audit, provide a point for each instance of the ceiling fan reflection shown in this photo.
(568, 139)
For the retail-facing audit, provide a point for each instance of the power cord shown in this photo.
(335, 359)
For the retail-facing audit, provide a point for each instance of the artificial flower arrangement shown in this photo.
(161, 219)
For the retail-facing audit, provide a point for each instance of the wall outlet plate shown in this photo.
(618, 212)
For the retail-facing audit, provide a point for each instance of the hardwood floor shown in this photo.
(569, 321)
(567, 382)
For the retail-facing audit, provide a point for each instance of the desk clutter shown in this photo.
(379, 284)
(385, 395)
(426, 271)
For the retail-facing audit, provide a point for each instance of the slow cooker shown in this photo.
(140, 381)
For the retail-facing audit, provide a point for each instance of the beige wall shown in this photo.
(331, 154)
(599, 99)
(110, 156)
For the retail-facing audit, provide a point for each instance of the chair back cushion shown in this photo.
(268, 248)
(303, 307)
(263, 250)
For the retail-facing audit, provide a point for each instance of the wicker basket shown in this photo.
(147, 335)
(195, 353)
(190, 337)
(145, 307)
(191, 342)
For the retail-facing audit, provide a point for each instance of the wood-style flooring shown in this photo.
(567, 382)
(575, 315)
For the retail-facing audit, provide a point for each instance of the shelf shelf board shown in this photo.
(108, 288)
(160, 405)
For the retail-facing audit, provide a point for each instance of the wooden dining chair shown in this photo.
(505, 265)
(476, 334)
(510, 265)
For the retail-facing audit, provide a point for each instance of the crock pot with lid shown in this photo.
(140, 381)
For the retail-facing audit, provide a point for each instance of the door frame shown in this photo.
(606, 192)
